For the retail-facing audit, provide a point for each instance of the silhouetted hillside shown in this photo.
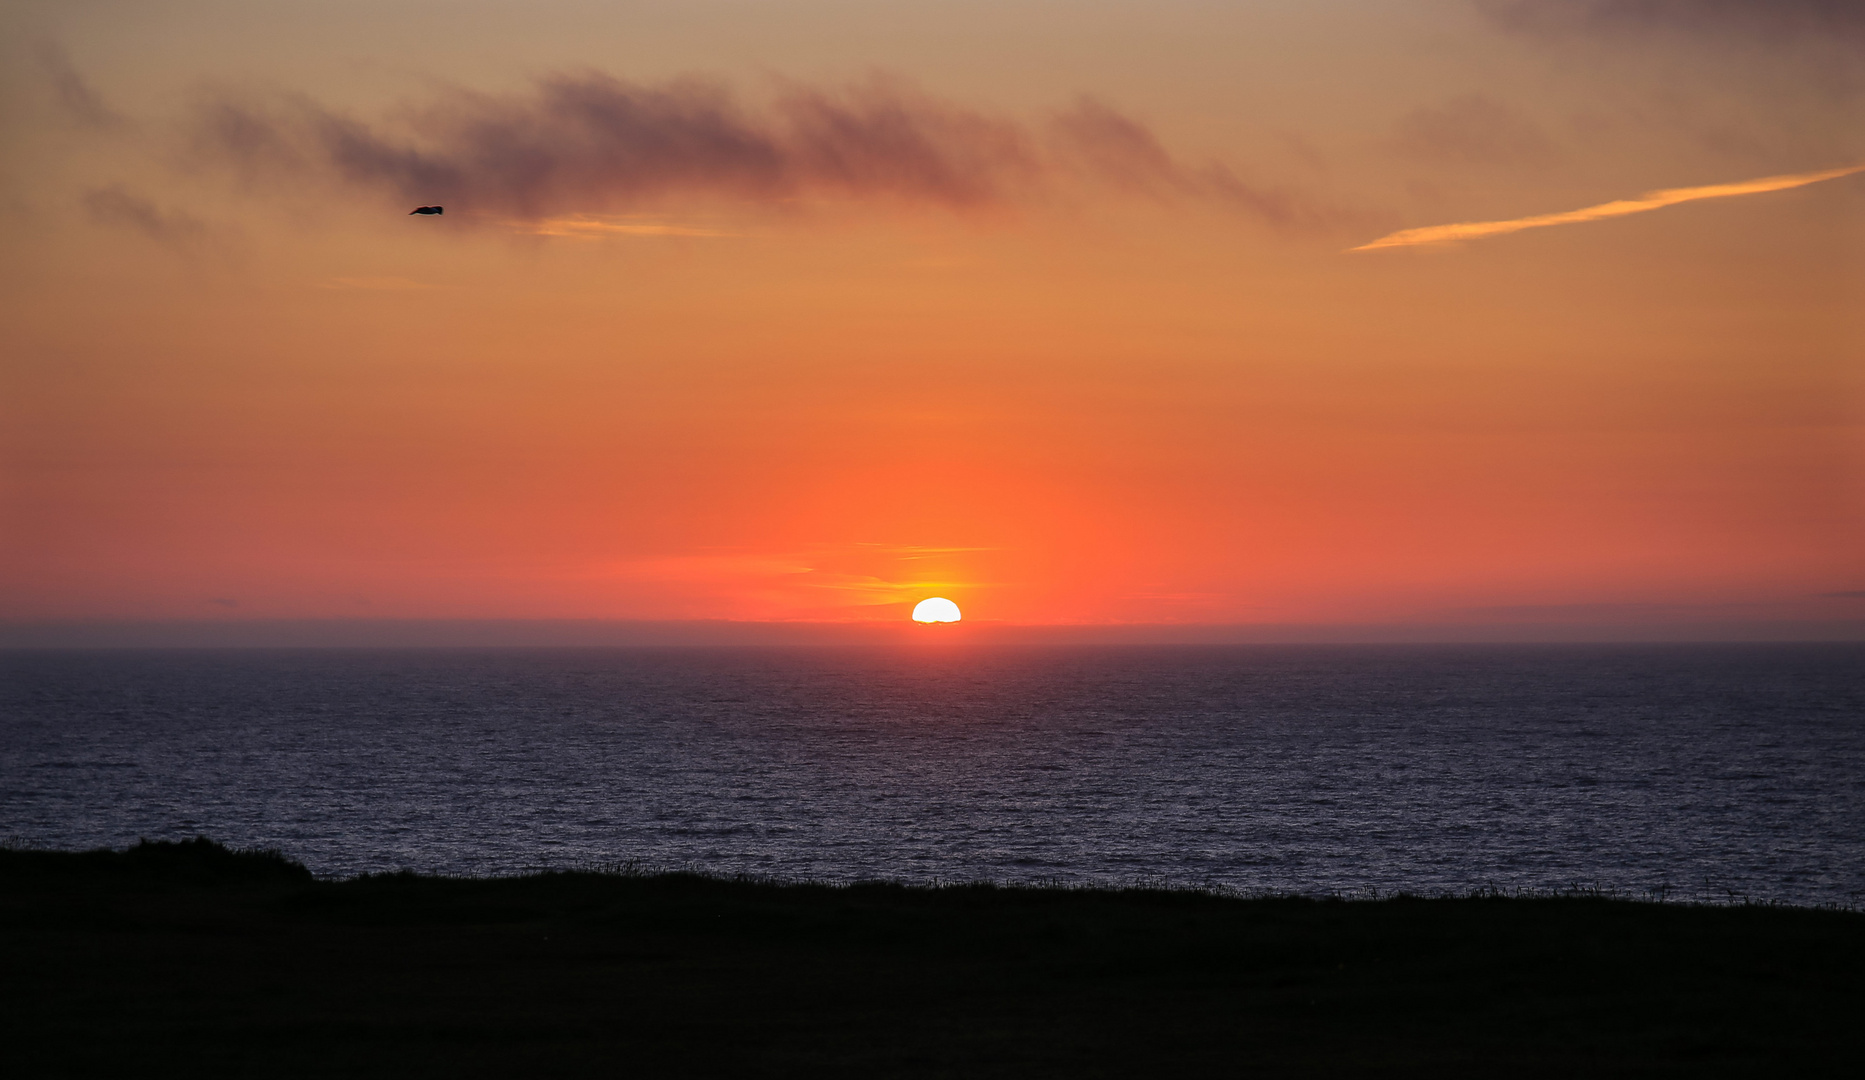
(192, 959)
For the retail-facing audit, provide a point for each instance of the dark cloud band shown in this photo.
(589, 143)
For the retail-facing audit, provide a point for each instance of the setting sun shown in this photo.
(935, 610)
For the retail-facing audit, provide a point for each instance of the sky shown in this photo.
(1088, 313)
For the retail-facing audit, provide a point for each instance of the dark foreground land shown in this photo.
(188, 959)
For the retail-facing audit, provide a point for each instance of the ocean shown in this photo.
(1702, 772)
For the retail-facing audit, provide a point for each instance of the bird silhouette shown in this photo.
(427, 210)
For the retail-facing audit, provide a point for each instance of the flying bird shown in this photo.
(427, 210)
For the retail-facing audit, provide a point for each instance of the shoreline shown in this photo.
(172, 854)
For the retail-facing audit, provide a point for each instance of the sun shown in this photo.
(936, 609)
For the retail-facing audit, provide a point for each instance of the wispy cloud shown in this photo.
(1755, 19)
(73, 93)
(579, 153)
(909, 551)
(1471, 129)
(1100, 142)
(1653, 200)
(119, 207)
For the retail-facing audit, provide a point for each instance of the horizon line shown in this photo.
(1659, 626)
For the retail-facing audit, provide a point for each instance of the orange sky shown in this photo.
(806, 311)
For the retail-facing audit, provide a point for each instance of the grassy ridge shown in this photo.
(187, 958)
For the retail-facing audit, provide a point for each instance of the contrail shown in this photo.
(1651, 200)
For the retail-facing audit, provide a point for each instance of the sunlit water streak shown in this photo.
(1705, 771)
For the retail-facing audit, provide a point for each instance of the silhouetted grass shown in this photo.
(188, 958)
(199, 861)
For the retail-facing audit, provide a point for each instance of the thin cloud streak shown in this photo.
(586, 227)
(375, 284)
(1652, 200)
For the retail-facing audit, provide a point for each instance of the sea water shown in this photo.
(1699, 772)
